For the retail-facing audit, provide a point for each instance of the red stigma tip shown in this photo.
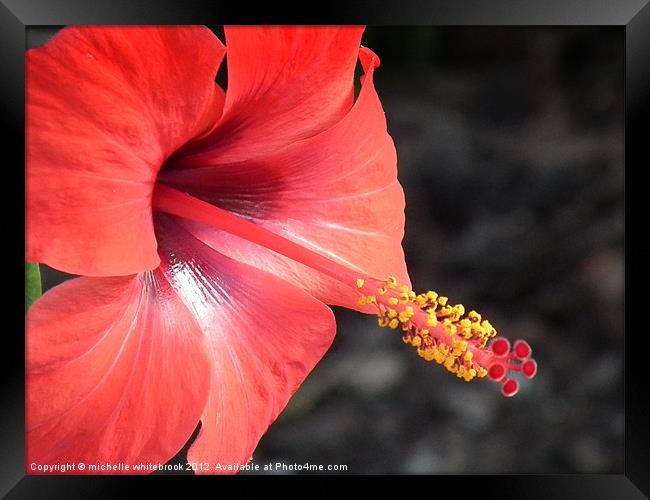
(522, 349)
(500, 346)
(497, 371)
(529, 368)
(510, 387)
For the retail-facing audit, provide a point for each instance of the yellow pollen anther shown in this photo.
(438, 331)
(474, 317)
(406, 314)
(445, 311)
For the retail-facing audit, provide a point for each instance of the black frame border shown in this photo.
(631, 15)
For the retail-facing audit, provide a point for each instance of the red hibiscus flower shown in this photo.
(210, 229)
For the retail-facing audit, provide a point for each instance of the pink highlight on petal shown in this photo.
(263, 336)
(117, 371)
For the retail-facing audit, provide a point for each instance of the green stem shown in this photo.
(33, 289)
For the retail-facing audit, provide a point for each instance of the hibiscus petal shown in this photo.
(105, 107)
(284, 84)
(336, 193)
(265, 337)
(117, 372)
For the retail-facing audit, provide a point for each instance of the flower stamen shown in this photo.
(439, 331)
(446, 334)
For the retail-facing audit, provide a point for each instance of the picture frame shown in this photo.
(632, 16)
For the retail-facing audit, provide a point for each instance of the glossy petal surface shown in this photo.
(117, 372)
(264, 335)
(336, 193)
(284, 84)
(105, 107)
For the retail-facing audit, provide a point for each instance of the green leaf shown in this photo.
(33, 289)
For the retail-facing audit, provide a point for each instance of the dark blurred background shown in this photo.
(510, 151)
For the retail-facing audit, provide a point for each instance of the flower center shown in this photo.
(437, 330)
